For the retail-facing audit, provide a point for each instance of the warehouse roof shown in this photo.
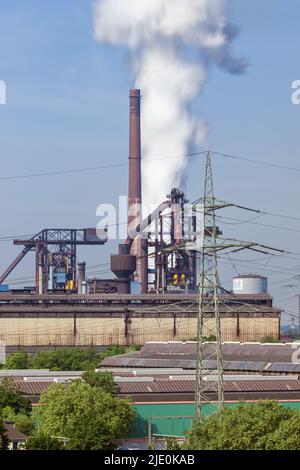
(278, 352)
(188, 386)
(177, 385)
(236, 356)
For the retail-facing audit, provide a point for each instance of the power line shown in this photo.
(246, 264)
(291, 314)
(259, 162)
(280, 281)
(273, 214)
(60, 172)
(10, 238)
(88, 169)
(124, 164)
(278, 227)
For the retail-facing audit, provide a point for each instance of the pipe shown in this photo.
(139, 247)
(15, 262)
(81, 276)
(145, 223)
(50, 280)
(37, 261)
(84, 287)
(177, 224)
(40, 279)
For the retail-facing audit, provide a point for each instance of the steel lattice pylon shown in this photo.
(209, 365)
(209, 305)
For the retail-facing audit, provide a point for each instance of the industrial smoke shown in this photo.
(173, 43)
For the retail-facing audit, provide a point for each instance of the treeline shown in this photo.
(64, 358)
(86, 414)
(264, 425)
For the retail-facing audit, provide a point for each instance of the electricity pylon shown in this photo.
(209, 365)
(208, 303)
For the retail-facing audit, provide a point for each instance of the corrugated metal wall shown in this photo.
(163, 423)
(106, 331)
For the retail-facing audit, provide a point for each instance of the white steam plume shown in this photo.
(173, 42)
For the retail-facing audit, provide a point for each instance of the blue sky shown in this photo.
(67, 107)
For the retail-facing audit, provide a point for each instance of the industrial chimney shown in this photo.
(139, 247)
(135, 178)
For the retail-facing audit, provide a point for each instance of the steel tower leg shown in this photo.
(209, 301)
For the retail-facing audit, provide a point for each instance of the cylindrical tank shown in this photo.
(123, 266)
(250, 284)
(80, 276)
(84, 287)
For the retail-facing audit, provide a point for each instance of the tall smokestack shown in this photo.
(134, 183)
(139, 246)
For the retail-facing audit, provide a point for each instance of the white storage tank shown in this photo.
(250, 284)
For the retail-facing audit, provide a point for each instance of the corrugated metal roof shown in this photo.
(191, 365)
(157, 385)
(188, 386)
(253, 357)
(37, 373)
(33, 388)
(231, 351)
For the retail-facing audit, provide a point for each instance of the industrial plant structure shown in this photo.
(65, 308)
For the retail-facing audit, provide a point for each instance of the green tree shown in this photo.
(87, 416)
(3, 437)
(286, 436)
(67, 359)
(18, 360)
(116, 350)
(23, 422)
(11, 396)
(251, 426)
(103, 380)
(268, 339)
(173, 444)
(43, 442)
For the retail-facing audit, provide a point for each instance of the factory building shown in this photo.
(165, 398)
(83, 320)
(154, 291)
(160, 382)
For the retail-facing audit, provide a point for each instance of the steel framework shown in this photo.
(56, 246)
(208, 297)
(210, 302)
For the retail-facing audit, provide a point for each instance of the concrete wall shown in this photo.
(111, 330)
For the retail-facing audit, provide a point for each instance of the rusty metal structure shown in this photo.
(123, 265)
(56, 256)
(153, 240)
(174, 268)
(139, 247)
(133, 255)
(65, 307)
